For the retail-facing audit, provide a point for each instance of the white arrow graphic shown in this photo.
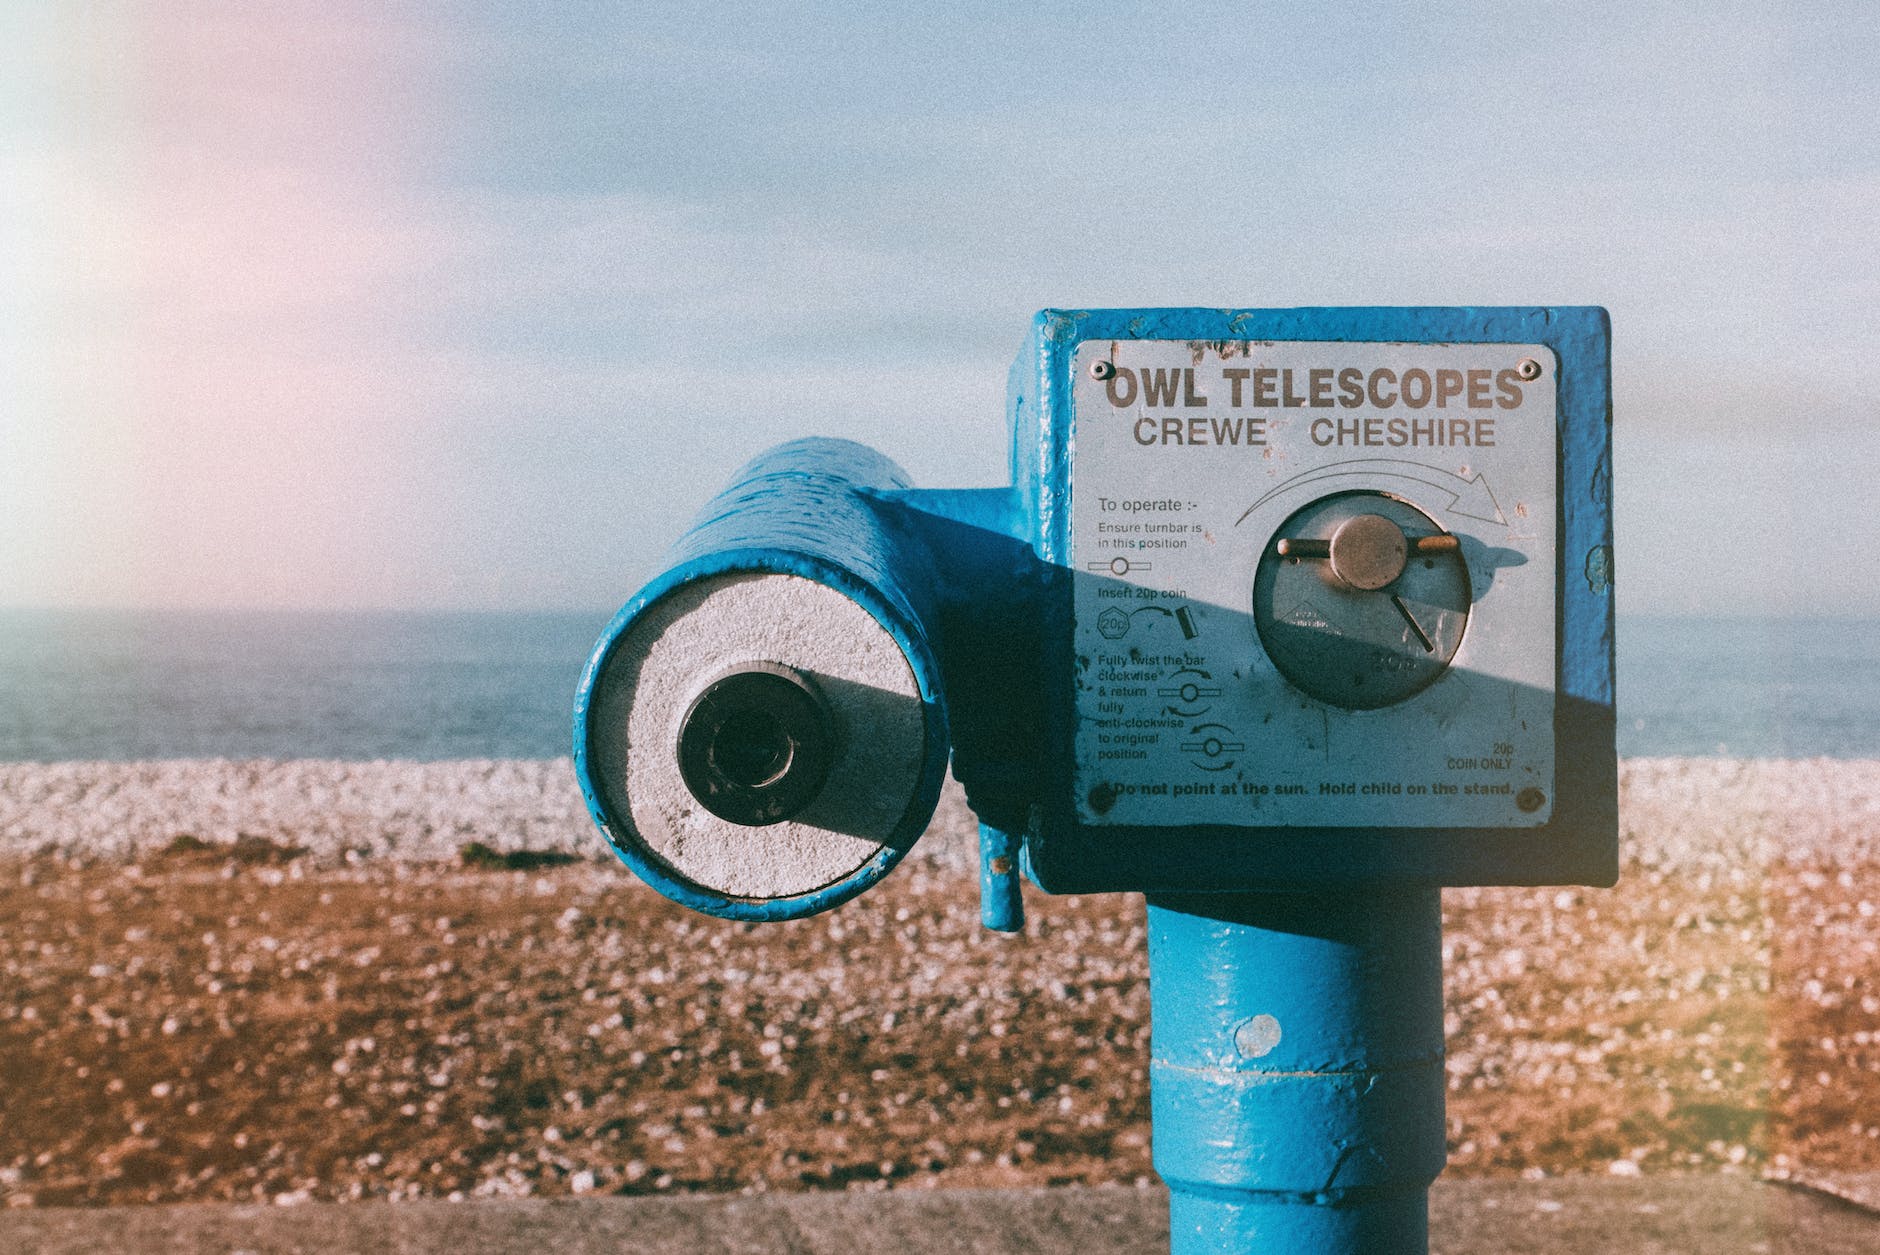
(1469, 497)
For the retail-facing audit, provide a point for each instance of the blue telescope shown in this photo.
(1286, 619)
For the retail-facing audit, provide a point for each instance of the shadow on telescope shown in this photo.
(993, 612)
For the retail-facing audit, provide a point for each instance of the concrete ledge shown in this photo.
(1650, 1216)
(1862, 1189)
(1715, 1215)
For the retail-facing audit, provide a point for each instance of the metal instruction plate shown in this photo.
(1314, 583)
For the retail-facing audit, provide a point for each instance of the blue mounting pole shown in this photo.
(1297, 1077)
(1001, 904)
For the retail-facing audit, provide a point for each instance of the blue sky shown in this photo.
(472, 306)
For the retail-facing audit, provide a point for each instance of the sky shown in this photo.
(471, 306)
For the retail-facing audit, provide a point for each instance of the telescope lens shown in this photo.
(751, 749)
(756, 745)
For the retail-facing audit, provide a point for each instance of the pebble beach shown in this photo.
(1676, 813)
(278, 981)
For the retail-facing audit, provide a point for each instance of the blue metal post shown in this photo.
(1297, 1076)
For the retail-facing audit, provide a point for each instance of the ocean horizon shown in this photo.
(430, 686)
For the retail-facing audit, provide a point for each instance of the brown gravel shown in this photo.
(239, 1023)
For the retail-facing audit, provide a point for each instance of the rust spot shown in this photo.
(1223, 349)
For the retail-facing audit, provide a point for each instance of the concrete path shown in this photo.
(1649, 1216)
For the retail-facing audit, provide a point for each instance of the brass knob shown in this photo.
(1368, 551)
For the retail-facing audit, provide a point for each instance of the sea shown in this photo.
(130, 686)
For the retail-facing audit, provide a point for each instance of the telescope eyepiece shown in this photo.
(756, 745)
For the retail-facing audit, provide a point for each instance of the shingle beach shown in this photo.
(284, 980)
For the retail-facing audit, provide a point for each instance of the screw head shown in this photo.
(1528, 368)
(1102, 369)
(1530, 800)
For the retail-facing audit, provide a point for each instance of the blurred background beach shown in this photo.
(306, 906)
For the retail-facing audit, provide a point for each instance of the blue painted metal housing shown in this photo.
(988, 607)
(1578, 846)
(974, 585)
(813, 508)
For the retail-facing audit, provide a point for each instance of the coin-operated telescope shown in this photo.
(1287, 619)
